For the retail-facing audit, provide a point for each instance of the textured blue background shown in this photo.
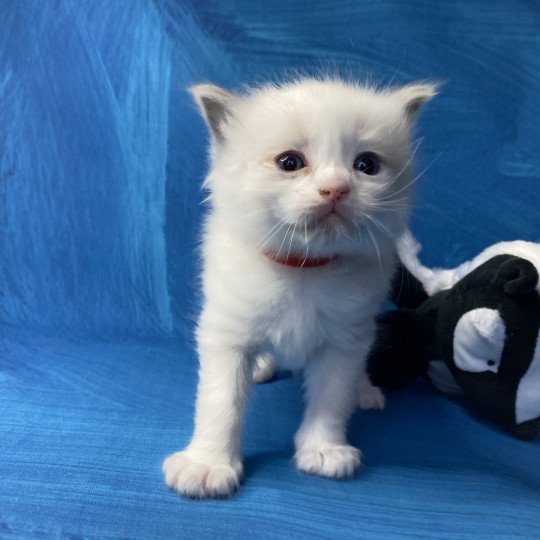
(102, 156)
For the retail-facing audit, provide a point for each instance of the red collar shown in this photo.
(299, 261)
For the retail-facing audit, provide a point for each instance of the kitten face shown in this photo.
(314, 166)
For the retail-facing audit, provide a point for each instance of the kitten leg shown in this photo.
(321, 445)
(264, 368)
(369, 396)
(211, 465)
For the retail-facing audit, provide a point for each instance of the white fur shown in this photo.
(370, 397)
(528, 393)
(264, 368)
(441, 279)
(479, 337)
(318, 319)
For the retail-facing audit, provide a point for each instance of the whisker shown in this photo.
(273, 228)
(284, 238)
(389, 84)
(402, 201)
(290, 242)
(378, 223)
(390, 207)
(349, 236)
(376, 246)
(414, 179)
(283, 223)
(409, 161)
(356, 223)
(307, 243)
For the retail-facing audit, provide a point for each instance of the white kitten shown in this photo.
(309, 186)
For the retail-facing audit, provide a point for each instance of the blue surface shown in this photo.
(102, 156)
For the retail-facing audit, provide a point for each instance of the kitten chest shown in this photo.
(308, 314)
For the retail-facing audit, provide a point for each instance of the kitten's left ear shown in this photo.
(413, 96)
(215, 105)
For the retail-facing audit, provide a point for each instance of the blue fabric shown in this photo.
(102, 156)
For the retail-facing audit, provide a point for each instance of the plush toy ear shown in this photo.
(215, 105)
(517, 276)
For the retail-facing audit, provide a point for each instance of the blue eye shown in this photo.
(290, 162)
(367, 163)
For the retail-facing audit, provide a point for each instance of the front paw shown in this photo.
(264, 368)
(331, 461)
(197, 476)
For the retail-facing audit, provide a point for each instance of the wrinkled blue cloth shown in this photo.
(102, 157)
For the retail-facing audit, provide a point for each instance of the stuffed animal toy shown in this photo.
(473, 330)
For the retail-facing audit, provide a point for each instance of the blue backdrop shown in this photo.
(102, 157)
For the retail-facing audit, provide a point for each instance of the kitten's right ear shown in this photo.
(215, 105)
(415, 95)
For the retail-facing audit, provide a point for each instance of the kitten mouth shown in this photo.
(332, 215)
(326, 218)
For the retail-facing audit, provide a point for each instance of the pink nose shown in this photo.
(334, 192)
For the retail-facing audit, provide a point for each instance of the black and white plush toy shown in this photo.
(473, 330)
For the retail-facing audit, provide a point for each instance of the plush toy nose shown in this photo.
(335, 191)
